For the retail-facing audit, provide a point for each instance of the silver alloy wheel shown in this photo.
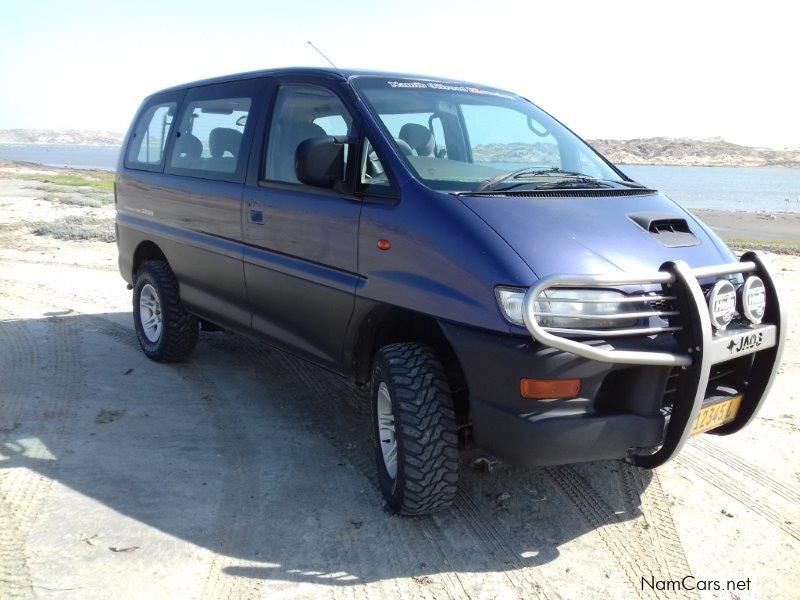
(386, 430)
(150, 313)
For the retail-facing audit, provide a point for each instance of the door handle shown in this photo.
(256, 216)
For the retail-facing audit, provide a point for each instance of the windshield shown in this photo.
(463, 138)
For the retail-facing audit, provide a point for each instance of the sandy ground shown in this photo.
(243, 473)
(754, 226)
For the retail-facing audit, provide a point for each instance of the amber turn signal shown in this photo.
(384, 244)
(549, 389)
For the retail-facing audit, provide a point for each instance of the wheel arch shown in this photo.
(146, 250)
(385, 324)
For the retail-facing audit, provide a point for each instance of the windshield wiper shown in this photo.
(571, 183)
(583, 178)
(532, 172)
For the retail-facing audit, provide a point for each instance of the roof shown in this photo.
(341, 74)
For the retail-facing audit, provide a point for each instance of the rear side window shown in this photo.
(210, 135)
(149, 138)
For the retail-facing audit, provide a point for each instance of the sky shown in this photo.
(606, 69)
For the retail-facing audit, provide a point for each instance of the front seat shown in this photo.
(419, 138)
(292, 133)
(220, 141)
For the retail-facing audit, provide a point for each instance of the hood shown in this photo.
(593, 235)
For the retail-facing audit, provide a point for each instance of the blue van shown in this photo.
(482, 274)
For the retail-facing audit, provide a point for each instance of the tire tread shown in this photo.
(427, 427)
(180, 328)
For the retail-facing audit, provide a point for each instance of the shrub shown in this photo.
(77, 228)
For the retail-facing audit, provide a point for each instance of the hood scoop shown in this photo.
(671, 231)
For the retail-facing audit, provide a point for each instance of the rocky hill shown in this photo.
(714, 152)
(540, 153)
(69, 136)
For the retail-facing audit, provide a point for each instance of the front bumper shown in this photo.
(622, 411)
(561, 437)
(605, 422)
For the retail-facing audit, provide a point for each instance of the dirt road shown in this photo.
(244, 473)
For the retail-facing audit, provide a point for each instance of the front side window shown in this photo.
(149, 137)
(373, 177)
(458, 137)
(301, 112)
(209, 137)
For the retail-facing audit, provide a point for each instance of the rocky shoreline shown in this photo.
(75, 137)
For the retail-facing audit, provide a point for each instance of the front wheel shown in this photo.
(414, 429)
(166, 331)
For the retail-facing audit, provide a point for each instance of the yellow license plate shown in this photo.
(717, 414)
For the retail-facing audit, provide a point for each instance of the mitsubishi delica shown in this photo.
(482, 275)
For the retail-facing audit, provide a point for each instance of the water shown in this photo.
(751, 189)
(63, 155)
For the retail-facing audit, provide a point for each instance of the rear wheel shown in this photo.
(166, 331)
(414, 429)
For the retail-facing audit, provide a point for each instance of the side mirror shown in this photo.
(319, 161)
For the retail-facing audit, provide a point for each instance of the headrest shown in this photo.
(189, 146)
(404, 148)
(419, 138)
(224, 138)
(301, 130)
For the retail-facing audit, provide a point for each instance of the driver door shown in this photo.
(301, 252)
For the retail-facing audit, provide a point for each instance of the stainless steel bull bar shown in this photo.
(700, 346)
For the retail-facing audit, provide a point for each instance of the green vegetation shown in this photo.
(774, 246)
(97, 180)
(77, 228)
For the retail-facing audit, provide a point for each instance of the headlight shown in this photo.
(582, 309)
(568, 308)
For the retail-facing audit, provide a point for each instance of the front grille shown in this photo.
(723, 380)
(663, 305)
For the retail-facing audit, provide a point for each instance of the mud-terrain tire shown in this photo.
(410, 397)
(155, 295)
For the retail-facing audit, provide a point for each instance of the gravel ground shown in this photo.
(244, 473)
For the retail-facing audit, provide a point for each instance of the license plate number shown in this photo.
(717, 414)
